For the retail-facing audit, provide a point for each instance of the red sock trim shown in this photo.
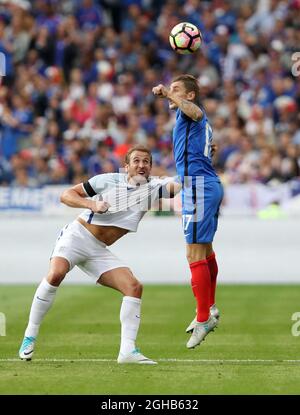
(211, 257)
(195, 264)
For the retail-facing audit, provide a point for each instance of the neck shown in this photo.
(133, 182)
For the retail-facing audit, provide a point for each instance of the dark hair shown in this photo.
(191, 84)
(137, 147)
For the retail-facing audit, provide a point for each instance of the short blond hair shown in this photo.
(138, 147)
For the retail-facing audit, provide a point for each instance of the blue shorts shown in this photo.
(201, 202)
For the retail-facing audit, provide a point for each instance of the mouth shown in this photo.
(142, 176)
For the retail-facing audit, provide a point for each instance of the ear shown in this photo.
(126, 168)
(191, 95)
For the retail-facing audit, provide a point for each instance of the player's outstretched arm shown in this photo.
(170, 188)
(188, 107)
(173, 188)
(77, 198)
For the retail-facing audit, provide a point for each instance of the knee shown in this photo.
(134, 289)
(55, 278)
(190, 258)
(193, 256)
(195, 253)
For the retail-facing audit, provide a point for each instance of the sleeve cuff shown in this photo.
(88, 189)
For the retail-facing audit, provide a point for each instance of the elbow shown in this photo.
(198, 116)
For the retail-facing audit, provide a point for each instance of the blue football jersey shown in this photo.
(192, 147)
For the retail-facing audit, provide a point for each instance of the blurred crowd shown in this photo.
(79, 73)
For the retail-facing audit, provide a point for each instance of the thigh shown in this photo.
(200, 224)
(70, 245)
(119, 279)
(198, 231)
(196, 252)
(214, 202)
(101, 260)
(193, 202)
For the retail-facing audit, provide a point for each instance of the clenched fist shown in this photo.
(160, 91)
(99, 206)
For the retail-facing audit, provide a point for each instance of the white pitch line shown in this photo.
(162, 360)
(230, 360)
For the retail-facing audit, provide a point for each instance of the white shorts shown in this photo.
(79, 247)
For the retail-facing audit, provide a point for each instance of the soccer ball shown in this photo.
(185, 38)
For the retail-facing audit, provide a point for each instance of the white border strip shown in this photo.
(75, 360)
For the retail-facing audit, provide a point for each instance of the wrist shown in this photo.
(89, 204)
(169, 95)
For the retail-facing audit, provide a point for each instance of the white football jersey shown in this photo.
(128, 203)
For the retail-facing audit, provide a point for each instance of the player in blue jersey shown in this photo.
(202, 194)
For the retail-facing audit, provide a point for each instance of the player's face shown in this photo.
(139, 166)
(178, 90)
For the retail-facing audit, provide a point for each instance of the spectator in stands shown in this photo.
(79, 73)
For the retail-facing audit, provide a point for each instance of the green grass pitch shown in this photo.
(252, 352)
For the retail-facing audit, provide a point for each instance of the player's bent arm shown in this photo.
(76, 197)
(188, 107)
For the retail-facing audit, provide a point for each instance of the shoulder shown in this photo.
(109, 177)
(103, 181)
(182, 118)
(115, 177)
(159, 181)
(153, 181)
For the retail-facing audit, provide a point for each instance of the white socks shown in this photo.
(42, 301)
(129, 315)
(130, 322)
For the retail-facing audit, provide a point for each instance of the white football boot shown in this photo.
(213, 311)
(27, 348)
(135, 357)
(200, 331)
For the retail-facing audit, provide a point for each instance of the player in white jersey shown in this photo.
(114, 205)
